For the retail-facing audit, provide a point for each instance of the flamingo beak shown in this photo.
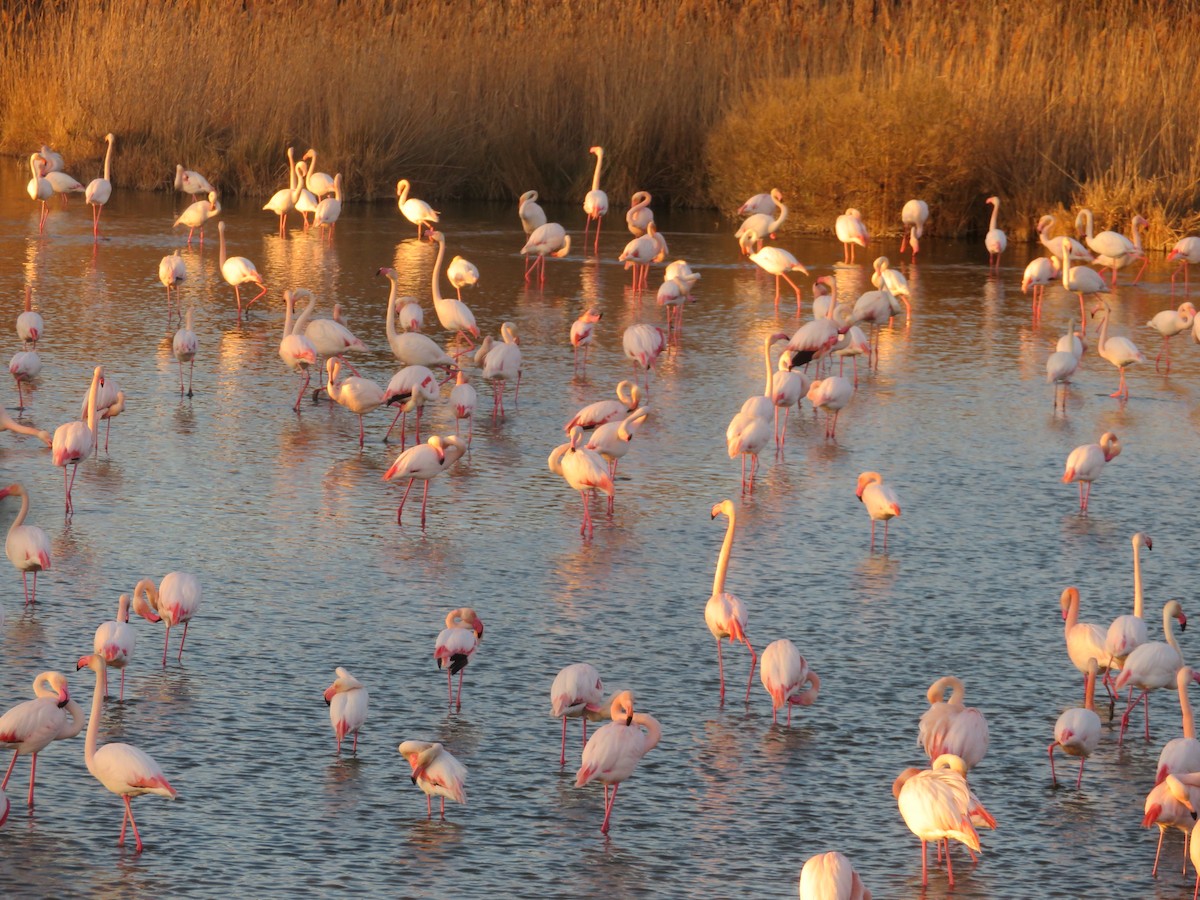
(83, 663)
(329, 692)
(478, 626)
(63, 697)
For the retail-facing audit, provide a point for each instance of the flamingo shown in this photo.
(100, 189)
(532, 216)
(1077, 731)
(1186, 250)
(995, 240)
(409, 389)
(549, 239)
(425, 462)
(829, 875)
(577, 693)
(1079, 280)
(410, 314)
(63, 184)
(950, 727)
(595, 203)
(283, 200)
(756, 228)
(1152, 665)
(191, 182)
(24, 367)
(463, 399)
(1119, 351)
(8, 424)
(436, 772)
(853, 343)
(237, 270)
(850, 230)
(784, 672)
(748, 432)
(197, 214)
(672, 294)
(830, 394)
(115, 640)
(462, 273)
(296, 350)
(1086, 462)
(1169, 323)
(629, 397)
(30, 325)
(1062, 364)
(172, 273)
(75, 441)
(887, 278)
(1172, 804)
(880, 500)
(175, 601)
(30, 727)
(583, 470)
(787, 387)
(875, 308)
(1129, 631)
(51, 161)
(724, 613)
(453, 314)
(359, 395)
(501, 361)
(303, 199)
(640, 215)
(39, 189)
(1134, 253)
(319, 183)
(612, 755)
(778, 262)
(347, 701)
(1181, 755)
(583, 333)
(643, 344)
(611, 440)
(411, 348)
(110, 402)
(455, 645)
(330, 337)
(329, 209)
(1040, 272)
(640, 252)
(416, 211)
(758, 203)
(184, 346)
(935, 805)
(1109, 246)
(122, 768)
(1084, 639)
(913, 216)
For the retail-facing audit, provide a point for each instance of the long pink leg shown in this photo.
(584, 720)
(721, 670)
(303, 388)
(443, 799)
(166, 642)
(132, 824)
(124, 823)
(122, 685)
(399, 413)
(32, 776)
(429, 806)
(924, 870)
(562, 759)
(449, 688)
(1162, 832)
(1079, 780)
(608, 809)
(424, 500)
(753, 663)
(458, 701)
(179, 658)
(400, 510)
(8, 774)
(25, 576)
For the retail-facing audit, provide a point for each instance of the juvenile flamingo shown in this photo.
(436, 772)
(30, 727)
(724, 613)
(122, 768)
(1086, 462)
(1077, 731)
(612, 755)
(347, 701)
(577, 693)
(27, 546)
(784, 672)
(455, 645)
(175, 601)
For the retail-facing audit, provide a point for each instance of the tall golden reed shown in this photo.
(861, 103)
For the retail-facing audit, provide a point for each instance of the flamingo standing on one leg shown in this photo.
(174, 601)
(724, 613)
(577, 693)
(122, 768)
(614, 751)
(27, 546)
(347, 700)
(30, 727)
(1086, 462)
(455, 645)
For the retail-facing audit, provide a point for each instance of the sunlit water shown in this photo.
(293, 535)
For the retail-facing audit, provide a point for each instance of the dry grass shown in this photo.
(863, 103)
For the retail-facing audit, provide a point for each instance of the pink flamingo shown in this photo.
(172, 272)
(851, 231)
(612, 755)
(784, 672)
(75, 441)
(409, 389)
(880, 500)
(639, 215)
(724, 613)
(584, 470)
(453, 314)
(577, 693)
(1040, 272)
(30, 727)
(347, 701)
(629, 397)
(501, 363)
(27, 546)
(1077, 731)
(416, 211)
(191, 182)
(1086, 462)
(1172, 804)
(115, 640)
(643, 344)
(996, 241)
(829, 875)
(1085, 640)
(758, 226)
(913, 216)
(595, 203)
(237, 270)
(359, 395)
(425, 462)
(831, 394)
(1152, 665)
(197, 214)
(40, 189)
(122, 768)
(184, 346)
(530, 213)
(583, 332)
(30, 325)
(1128, 631)
(436, 772)
(935, 805)
(639, 253)
(778, 262)
(99, 190)
(1119, 351)
(1187, 251)
(550, 239)
(1169, 323)
(950, 727)
(455, 645)
(174, 602)
(24, 368)
(296, 350)
(1181, 755)
(463, 399)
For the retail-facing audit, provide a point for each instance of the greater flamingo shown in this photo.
(996, 241)
(39, 189)
(1112, 250)
(550, 239)
(100, 189)
(1060, 366)
(51, 160)
(784, 672)
(1040, 272)
(1187, 251)
(1079, 280)
(913, 216)
(411, 347)
(330, 337)
(411, 388)
(1152, 665)
(329, 210)
(1129, 631)
(184, 346)
(531, 214)
(175, 601)
(303, 199)
(463, 399)
(191, 182)
(1077, 731)
(831, 394)
(758, 203)
(583, 333)
(416, 211)
(577, 693)
(829, 875)
(347, 701)
(1181, 755)
(611, 440)
(748, 433)
(172, 273)
(30, 727)
(1172, 804)
(75, 441)
(462, 273)
(455, 645)
(935, 805)
(237, 270)
(30, 325)
(629, 397)
(851, 231)
(359, 395)
(7, 423)
(27, 546)
(1086, 462)
(296, 350)
(1085, 640)
(1169, 323)
(115, 640)
(501, 362)
(321, 184)
(612, 755)
(24, 368)
(425, 462)
(197, 214)
(724, 613)
(757, 227)
(640, 252)
(643, 344)
(436, 772)
(948, 726)
(283, 201)
(595, 203)
(584, 471)
(778, 262)
(880, 500)
(640, 215)
(122, 768)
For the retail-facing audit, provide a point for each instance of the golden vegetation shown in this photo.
(864, 103)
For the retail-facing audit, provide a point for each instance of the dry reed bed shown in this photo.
(861, 104)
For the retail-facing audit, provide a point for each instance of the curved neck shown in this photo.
(1189, 723)
(21, 515)
(312, 168)
(1169, 633)
(1088, 223)
(333, 388)
(289, 303)
(1137, 581)
(146, 588)
(995, 214)
(302, 319)
(596, 174)
(93, 729)
(653, 730)
(402, 191)
(1072, 609)
(723, 559)
(1065, 248)
(1103, 336)
(108, 159)
(774, 226)
(72, 728)
(435, 289)
(291, 173)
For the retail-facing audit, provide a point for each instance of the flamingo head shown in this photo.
(866, 479)
(1069, 595)
(386, 271)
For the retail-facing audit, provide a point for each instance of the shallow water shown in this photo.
(293, 536)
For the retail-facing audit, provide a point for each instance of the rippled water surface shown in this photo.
(293, 536)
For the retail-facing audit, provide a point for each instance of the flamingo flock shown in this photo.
(936, 803)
